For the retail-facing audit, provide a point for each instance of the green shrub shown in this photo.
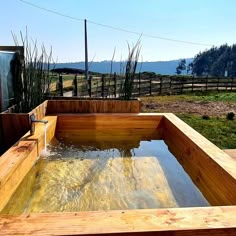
(230, 116)
(205, 117)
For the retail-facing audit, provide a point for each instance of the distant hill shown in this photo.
(159, 67)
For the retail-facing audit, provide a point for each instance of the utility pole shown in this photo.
(86, 49)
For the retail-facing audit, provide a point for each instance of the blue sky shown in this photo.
(210, 22)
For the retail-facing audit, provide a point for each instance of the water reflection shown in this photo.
(98, 175)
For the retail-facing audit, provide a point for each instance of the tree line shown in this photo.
(217, 61)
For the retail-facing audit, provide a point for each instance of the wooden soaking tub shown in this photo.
(212, 170)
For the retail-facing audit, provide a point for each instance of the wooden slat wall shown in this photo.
(12, 127)
(93, 106)
(130, 138)
(18, 160)
(107, 121)
(213, 171)
(40, 110)
(97, 127)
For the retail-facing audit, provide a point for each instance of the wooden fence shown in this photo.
(110, 86)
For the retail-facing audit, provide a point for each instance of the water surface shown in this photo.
(92, 176)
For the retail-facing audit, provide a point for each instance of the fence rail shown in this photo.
(110, 86)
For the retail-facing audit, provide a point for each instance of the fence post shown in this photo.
(160, 85)
(192, 83)
(226, 87)
(182, 85)
(139, 84)
(232, 81)
(150, 85)
(90, 86)
(75, 90)
(103, 76)
(206, 83)
(60, 85)
(218, 81)
(114, 78)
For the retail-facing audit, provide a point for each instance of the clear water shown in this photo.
(105, 176)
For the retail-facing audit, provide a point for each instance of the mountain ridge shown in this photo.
(159, 67)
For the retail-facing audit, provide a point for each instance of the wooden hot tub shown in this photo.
(212, 171)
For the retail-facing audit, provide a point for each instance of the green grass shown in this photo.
(220, 131)
(212, 96)
(197, 96)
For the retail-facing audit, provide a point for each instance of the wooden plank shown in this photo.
(18, 160)
(40, 110)
(93, 106)
(213, 171)
(19, 199)
(13, 126)
(106, 121)
(231, 152)
(102, 137)
(185, 221)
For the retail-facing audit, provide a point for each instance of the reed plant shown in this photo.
(32, 76)
(126, 89)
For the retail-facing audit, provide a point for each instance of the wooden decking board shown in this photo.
(176, 221)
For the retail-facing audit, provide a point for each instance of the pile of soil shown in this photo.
(218, 109)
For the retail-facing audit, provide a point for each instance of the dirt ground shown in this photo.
(218, 109)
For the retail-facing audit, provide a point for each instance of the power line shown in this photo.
(54, 12)
(148, 35)
(116, 28)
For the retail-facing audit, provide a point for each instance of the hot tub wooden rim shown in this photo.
(175, 221)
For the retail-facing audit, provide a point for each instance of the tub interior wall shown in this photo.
(17, 161)
(200, 159)
(199, 164)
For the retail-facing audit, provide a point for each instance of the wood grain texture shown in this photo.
(212, 170)
(93, 106)
(18, 160)
(108, 121)
(185, 221)
(231, 153)
(126, 137)
(40, 110)
(12, 127)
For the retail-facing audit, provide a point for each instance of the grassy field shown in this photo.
(197, 96)
(217, 129)
(220, 131)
